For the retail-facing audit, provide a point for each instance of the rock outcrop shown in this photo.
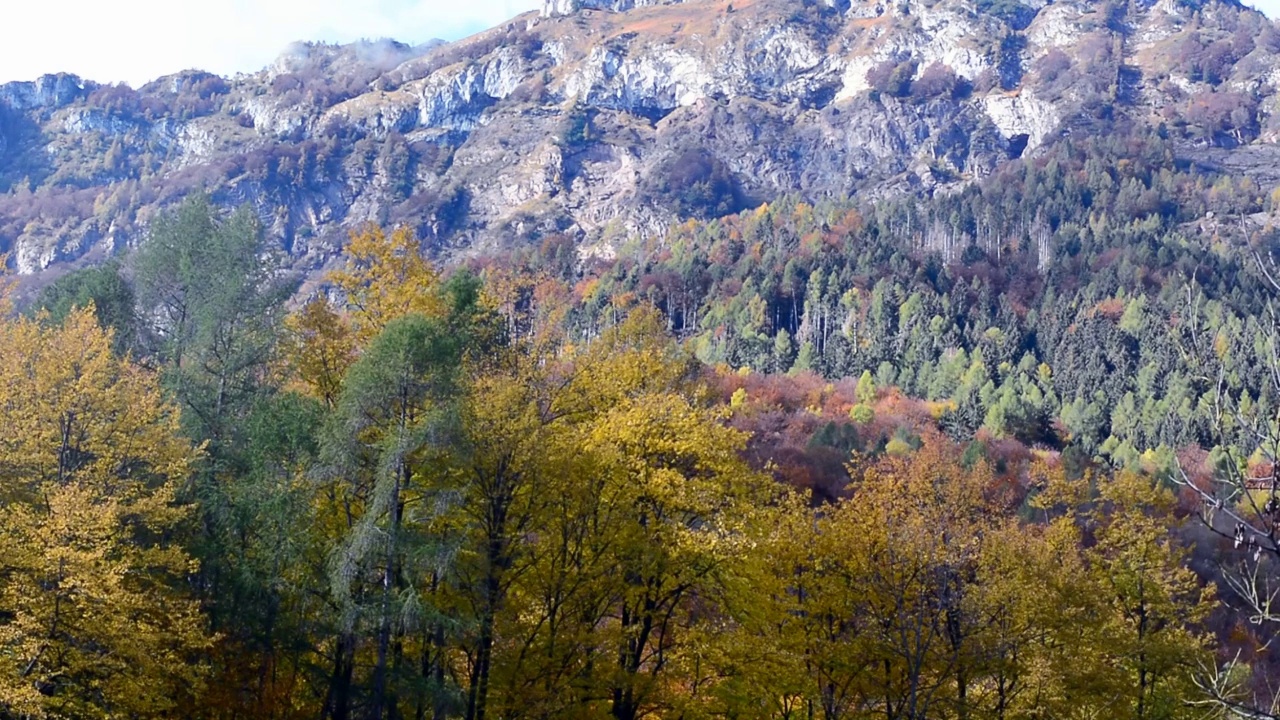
(50, 92)
(575, 119)
(557, 8)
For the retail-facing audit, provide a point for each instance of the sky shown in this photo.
(1270, 7)
(136, 41)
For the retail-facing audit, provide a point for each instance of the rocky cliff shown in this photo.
(603, 119)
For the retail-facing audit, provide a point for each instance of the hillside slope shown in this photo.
(608, 119)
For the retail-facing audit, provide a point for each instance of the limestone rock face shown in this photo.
(557, 8)
(569, 119)
(50, 92)
(1023, 114)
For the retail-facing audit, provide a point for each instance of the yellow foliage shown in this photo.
(319, 347)
(386, 277)
(862, 413)
(897, 447)
(937, 409)
(93, 625)
(639, 496)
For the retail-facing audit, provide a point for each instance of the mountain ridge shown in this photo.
(607, 119)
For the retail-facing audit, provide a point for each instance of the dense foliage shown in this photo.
(1051, 304)
(517, 493)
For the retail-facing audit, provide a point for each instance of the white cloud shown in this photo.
(138, 40)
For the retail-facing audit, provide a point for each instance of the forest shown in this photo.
(1002, 454)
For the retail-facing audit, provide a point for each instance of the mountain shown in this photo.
(982, 283)
(607, 119)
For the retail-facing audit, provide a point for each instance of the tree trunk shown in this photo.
(337, 703)
(496, 559)
(380, 676)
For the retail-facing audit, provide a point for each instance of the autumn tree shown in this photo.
(94, 620)
(1153, 603)
(386, 276)
(319, 347)
(919, 595)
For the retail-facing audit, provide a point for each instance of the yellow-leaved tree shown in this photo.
(319, 348)
(386, 277)
(1153, 602)
(92, 619)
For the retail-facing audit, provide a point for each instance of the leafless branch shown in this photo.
(1223, 695)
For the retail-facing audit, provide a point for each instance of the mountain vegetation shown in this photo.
(496, 492)
(606, 120)
(638, 360)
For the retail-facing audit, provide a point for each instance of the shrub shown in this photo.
(892, 77)
(116, 99)
(897, 447)
(695, 183)
(285, 83)
(1223, 113)
(1052, 65)
(937, 80)
(1010, 12)
(862, 414)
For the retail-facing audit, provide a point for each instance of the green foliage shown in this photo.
(210, 303)
(106, 290)
(1012, 12)
(862, 413)
(1044, 354)
(783, 351)
(577, 127)
(893, 77)
(398, 404)
(866, 391)
(212, 294)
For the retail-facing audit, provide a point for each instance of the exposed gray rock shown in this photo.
(50, 92)
(454, 98)
(557, 8)
(565, 120)
(89, 120)
(1022, 114)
